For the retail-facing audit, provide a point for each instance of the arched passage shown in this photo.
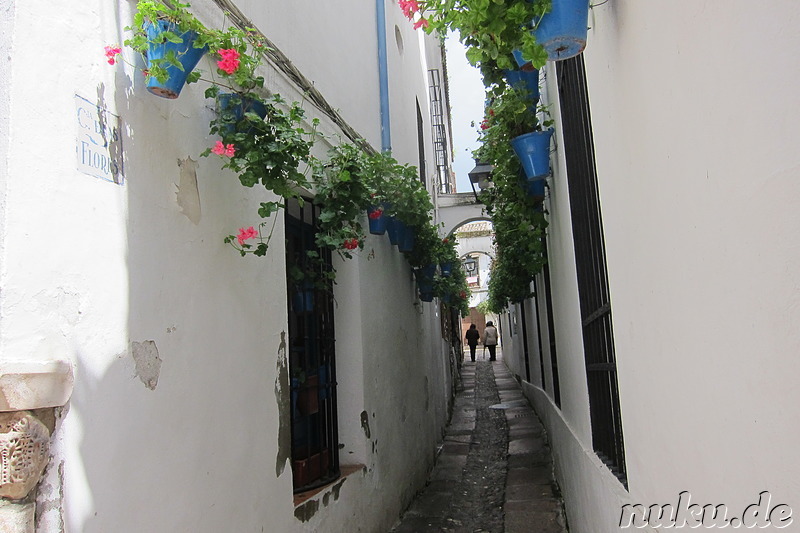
(455, 210)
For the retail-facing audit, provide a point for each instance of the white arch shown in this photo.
(458, 209)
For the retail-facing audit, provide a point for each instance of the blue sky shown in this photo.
(466, 100)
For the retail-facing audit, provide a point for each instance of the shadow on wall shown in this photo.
(165, 427)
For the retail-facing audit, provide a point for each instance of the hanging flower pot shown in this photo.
(394, 228)
(533, 151)
(426, 296)
(562, 32)
(424, 277)
(407, 235)
(535, 187)
(525, 79)
(378, 220)
(237, 106)
(184, 52)
(446, 268)
(518, 58)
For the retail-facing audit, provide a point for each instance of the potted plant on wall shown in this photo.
(273, 151)
(510, 118)
(343, 193)
(491, 31)
(172, 42)
(562, 30)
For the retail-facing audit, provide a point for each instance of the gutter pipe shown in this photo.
(383, 76)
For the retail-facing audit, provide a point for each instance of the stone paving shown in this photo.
(494, 471)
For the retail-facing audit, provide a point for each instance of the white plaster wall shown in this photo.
(7, 20)
(694, 118)
(90, 267)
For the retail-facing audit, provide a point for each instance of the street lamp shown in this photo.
(469, 265)
(480, 176)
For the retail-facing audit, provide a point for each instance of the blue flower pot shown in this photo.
(377, 226)
(407, 237)
(426, 296)
(446, 268)
(562, 32)
(185, 52)
(525, 80)
(424, 277)
(534, 188)
(394, 228)
(533, 151)
(518, 58)
(237, 106)
(428, 271)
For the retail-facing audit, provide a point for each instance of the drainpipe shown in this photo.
(383, 75)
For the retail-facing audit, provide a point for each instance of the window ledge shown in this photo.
(345, 470)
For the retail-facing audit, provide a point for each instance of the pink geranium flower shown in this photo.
(111, 54)
(221, 149)
(423, 22)
(245, 234)
(409, 7)
(230, 60)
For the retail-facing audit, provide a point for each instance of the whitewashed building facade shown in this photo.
(120, 294)
(662, 349)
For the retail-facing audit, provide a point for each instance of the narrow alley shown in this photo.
(494, 472)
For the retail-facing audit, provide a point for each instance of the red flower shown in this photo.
(462, 295)
(230, 60)
(485, 124)
(409, 7)
(445, 240)
(246, 233)
(423, 22)
(111, 54)
(351, 244)
(374, 215)
(491, 112)
(221, 149)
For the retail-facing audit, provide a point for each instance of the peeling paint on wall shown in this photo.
(333, 491)
(148, 362)
(49, 513)
(365, 423)
(283, 399)
(305, 512)
(187, 194)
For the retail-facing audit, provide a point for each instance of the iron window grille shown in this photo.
(595, 302)
(312, 369)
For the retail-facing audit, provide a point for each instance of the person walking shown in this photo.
(490, 340)
(472, 338)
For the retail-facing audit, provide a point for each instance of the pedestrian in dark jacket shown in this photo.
(472, 337)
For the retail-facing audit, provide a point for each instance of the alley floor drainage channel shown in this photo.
(494, 473)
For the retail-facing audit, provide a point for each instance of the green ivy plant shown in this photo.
(490, 29)
(519, 220)
(274, 152)
(343, 194)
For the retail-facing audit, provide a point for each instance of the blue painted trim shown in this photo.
(383, 76)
